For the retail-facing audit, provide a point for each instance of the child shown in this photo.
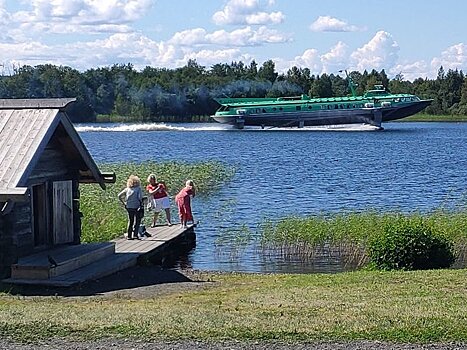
(159, 199)
(132, 198)
(183, 199)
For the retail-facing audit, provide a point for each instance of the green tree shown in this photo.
(268, 71)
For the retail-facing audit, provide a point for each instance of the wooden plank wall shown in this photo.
(51, 165)
(21, 228)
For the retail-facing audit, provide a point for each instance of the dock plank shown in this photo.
(126, 254)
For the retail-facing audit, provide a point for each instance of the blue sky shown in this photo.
(411, 37)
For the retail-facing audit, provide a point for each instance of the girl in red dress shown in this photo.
(183, 199)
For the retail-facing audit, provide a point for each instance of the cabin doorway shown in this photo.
(62, 212)
(40, 212)
(52, 213)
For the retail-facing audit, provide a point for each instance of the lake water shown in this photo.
(406, 167)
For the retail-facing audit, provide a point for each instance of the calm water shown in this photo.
(407, 167)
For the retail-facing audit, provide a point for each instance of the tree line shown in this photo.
(185, 93)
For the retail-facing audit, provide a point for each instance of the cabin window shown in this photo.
(280, 108)
(348, 105)
(309, 107)
(274, 109)
(329, 106)
(264, 111)
(298, 108)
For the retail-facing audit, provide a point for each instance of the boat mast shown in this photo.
(352, 85)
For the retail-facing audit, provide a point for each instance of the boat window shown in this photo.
(310, 107)
(298, 108)
(264, 111)
(280, 108)
(329, 106)
(274, 109)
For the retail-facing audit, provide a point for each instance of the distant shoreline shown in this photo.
(434, 118)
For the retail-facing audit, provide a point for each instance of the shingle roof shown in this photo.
(26, 127)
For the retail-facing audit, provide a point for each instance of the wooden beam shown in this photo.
(17, 194)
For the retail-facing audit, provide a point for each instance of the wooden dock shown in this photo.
(73, 264)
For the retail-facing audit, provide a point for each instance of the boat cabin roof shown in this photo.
(255, 102)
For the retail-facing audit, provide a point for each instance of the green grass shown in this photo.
(347, 234)
(104, 218)
(418, 306)
(434, 118)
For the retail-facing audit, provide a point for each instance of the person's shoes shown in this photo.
(137, 237)
(169, 224)
(153, 225)
(130, 238)
(147, 234)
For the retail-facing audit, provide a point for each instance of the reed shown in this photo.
(345, 236)
(104, 218)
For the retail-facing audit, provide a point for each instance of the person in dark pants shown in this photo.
(132, 198)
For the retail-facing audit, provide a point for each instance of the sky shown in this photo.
(412, 37)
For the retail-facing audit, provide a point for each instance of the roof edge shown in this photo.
(33, 103)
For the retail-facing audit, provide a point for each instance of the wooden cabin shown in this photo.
(42, 162)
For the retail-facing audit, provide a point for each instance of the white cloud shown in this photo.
(336, 59)
(81, 16)
(118, 48)
(4, 16)
(454, 57)
(249, 12)
(190, 37)
(309, 59)
(239, 37)
(381, 52)
(412, 70)
(211, 57)
(331, 24)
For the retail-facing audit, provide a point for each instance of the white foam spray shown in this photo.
(213, 127)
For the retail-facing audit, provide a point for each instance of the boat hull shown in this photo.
(372, 116)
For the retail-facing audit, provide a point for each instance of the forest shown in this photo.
(185, 94)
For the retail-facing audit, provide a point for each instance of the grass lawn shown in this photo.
(419, 306)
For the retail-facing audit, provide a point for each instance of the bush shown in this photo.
(410, 244)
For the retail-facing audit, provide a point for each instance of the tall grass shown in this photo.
(104, 218)
(346, 235)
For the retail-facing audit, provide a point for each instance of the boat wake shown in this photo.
(148, 127)
(213, 127)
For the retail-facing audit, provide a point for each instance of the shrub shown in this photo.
(410, 244)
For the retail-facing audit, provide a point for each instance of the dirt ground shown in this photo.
(137, 282)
